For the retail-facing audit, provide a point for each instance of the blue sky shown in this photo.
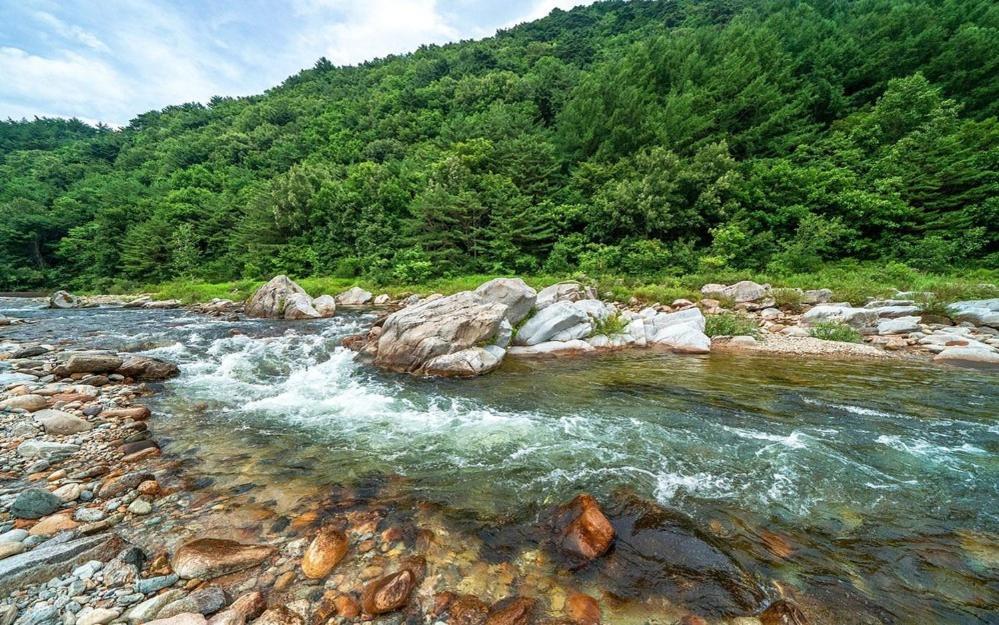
(108, 60)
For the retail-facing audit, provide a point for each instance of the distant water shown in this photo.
(872, 485)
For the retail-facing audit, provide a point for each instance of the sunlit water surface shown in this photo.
(866, 484)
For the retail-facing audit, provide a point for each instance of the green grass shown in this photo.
(730, 324)
(609, 325)
(788, 299)
(850, 281)
(835, 331)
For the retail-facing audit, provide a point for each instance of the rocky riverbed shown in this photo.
(98, 524)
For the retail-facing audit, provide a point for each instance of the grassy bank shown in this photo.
(851, 282)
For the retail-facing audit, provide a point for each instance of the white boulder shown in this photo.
(560, 321)
(325, 305)
(354, 296)
(518, 298)
(270, 300)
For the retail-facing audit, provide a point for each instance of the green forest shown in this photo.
(623, 138)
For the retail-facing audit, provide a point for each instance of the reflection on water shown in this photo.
(869, 485)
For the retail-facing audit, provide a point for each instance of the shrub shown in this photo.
(834, 331)
(730, 324)
(788, 299)
(610, 325)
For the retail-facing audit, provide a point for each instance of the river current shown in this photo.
(871, 487)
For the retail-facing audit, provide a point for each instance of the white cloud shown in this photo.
(64, 82)
(71, 32)
(542, 8)
(350, 31)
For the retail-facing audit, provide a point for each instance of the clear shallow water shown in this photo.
(870, 486)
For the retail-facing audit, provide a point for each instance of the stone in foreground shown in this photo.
(584, 531)
(52, 560)
(208, 558)
(325, 552)
(61, 423)
(388, 593)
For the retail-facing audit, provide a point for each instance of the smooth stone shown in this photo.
(46, 449)
(154, 584)
(511, 292)
(585, 532)
(969, 354)
(279, 615)
(325, 305)
(145, 611)
(244, 609)
(388, 593)
(140, 507)
(93, 362)
(560, 321)
(207, 600)
(187, 618)
(899, 325)
(54, 524)
(208, 558)
(35, 503)
(354, 296)
(31, 403)
(96, 616)
(11, 548)
(53, 559)
(325, 551)
(13, 536)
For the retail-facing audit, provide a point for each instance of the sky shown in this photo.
(109, 60)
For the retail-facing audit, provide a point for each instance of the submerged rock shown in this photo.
(583, 530)
(783, 612)
(324, 553)
(511, 611)
(270, 300)
(388, 593)
(661, 551)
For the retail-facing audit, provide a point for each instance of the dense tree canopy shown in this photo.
(630, 137)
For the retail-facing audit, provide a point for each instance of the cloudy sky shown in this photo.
(108, 60)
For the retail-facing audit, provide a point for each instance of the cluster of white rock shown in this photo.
(282, 298)
(469, 333)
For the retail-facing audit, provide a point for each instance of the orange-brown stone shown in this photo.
(588, 533)
(513, 611)
(582, 609)
(388, 593)
(326, 551)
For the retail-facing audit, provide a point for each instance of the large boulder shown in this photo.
(563, 292)
(466, 363)
(560, 321)
(208, 558)
(982, 312)
(325, 305)
(681, 331)
(415, 336)
(843, 313)
(299, 306)
(354, 296)
(512, 292)
(147, 368)
(62, 299)
(744, 291)
(93, 362)
(270, 300)
(971, 354)
(34, 503)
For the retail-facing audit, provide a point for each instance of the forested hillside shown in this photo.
(626, 137)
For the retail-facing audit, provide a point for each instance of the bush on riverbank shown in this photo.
(730, 324)
(851, 282)
(835, 331)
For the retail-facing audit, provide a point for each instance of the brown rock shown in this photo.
(388, 593)
(582, 609)
(284, 580)
(279, 615)
(587, 533)
(149, 488)
(468, 610)
(187, 618)
(53, 524)
(511, 611)
(692, 619)
(138, 413)
(246, 608)
(208, 558)
(783, 612)
(116, 486)
(346, 606)
(325, 552)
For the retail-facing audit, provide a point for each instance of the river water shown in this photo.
(870, 488)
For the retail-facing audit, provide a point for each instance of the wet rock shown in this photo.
(466, 363)
(324, 553)
(783, 612)
(244, 609)
(31, 403)
(414, 336)
(388, 593)
(63, 299)
(208, 600)
(354, 296)
(93, 362)
(551, 348)
(511, 292)
(663, 552)
(208, 558)
(582, 609)
(279, 615)
(34, 503)
(584, 531)
(270, 300)
(468, 610)
(512, 611)
(299, 306)
(561, 321)
(61, 423)
(325, 305)
(147, 368)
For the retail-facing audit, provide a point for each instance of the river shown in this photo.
(869, 487)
